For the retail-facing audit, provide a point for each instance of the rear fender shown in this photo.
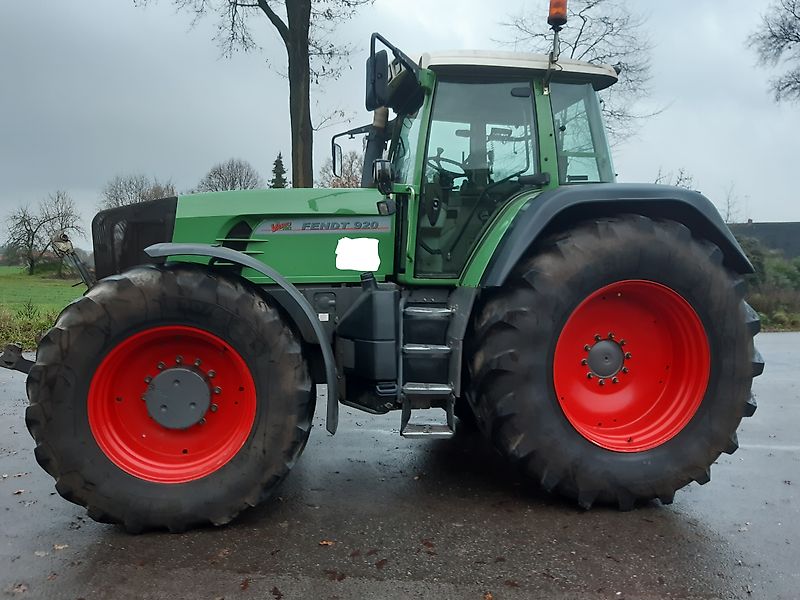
(560, 208)
(304, 308)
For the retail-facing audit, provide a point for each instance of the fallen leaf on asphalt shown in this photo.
(488, 596)
(381, 563)
(40, 553)
(277, 593)
(428, 544)
(245, 584)
(335, 575)
(326, 543)
(510, 583)
(60, 546)
(20, 588)
(355, 553)
(52, 576)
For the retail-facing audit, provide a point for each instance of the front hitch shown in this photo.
(11, 358)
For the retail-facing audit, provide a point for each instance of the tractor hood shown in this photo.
(299, 232)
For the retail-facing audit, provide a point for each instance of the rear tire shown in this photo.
(644, 433)
(97, 436)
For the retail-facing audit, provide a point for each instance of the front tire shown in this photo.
(616, 364)
(116, 439)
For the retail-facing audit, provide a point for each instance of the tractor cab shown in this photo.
(471, 131)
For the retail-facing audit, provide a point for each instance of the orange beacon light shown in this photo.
(557, 17)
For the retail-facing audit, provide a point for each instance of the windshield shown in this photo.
(581, 145)
(404, 150)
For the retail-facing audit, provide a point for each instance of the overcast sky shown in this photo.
(95, 88)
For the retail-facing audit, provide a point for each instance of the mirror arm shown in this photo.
(398, 54)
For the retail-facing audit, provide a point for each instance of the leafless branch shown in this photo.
(233, 174)
(777, 42)
(123, 190)
(352, 167)
(600, 31)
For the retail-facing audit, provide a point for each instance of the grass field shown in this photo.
(29, 304)
(46, 293)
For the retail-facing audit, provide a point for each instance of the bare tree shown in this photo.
(30, 232)
(123, 190)
(352, 166)
(680, 178)
(305, 28)
(66, 218)
(233, 174)
(600, 31)
(730, 209)
(778, 41)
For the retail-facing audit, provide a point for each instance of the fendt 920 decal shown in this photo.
(294, 226)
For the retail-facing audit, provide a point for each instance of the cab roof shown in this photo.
(600, 76)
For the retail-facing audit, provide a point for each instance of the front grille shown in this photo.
(120, 235)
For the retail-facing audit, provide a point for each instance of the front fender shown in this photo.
(166, 249)
(562, 207)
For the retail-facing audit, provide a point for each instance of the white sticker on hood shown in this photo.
(357, 254)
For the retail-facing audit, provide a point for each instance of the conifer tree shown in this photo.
(278, 173)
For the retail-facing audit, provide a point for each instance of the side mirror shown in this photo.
(336, 160)
(377, 80)
(383, 175)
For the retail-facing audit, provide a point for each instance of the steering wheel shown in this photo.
(436, 163)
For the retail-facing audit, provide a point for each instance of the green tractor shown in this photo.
(490, 267)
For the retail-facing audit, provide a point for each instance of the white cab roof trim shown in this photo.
(517, 60)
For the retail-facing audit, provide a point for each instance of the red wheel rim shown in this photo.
(135, 441)
(647, 398)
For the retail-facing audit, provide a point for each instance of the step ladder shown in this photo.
(420, 392)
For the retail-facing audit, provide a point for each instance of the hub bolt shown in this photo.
(628, 355)
(178, 360)
(610, 335)
(217, 390)
(587, 347)
(622, 342)
(589, 375)
(214, 408)
(597, 337)
(212, 374)
(148, 379)
(624, 369)
(602, 382)
(161, 366)
(584, 362)
(197, 362)
(614, 380)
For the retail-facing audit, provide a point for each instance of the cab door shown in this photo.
(481, 139)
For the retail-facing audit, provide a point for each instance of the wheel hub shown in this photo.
(178, 398)
(606, 358)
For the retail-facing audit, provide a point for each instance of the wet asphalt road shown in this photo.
(428, 519)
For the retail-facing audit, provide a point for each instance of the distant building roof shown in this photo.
(778, 236)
